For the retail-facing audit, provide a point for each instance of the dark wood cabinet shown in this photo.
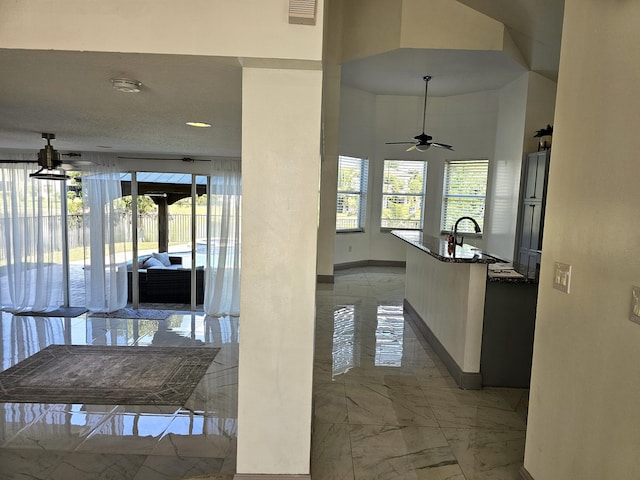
(507, 333)
(529, 230)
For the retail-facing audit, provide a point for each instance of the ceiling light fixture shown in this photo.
(126, 85)
(199, 124)
(49, 161)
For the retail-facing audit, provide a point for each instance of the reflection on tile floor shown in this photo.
(386, 407)
(120, 442)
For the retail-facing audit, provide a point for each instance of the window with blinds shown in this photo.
(464, 193)
(352, 193)
(403, 191)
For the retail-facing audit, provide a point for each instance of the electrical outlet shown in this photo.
(562, 277)
(634, 316)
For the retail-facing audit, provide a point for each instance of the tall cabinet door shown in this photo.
(535, 176)
(528, 250)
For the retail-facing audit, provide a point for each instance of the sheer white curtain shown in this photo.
(106, 234)
(30, 239)
(222, 278)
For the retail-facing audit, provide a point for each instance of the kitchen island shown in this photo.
(445, 295)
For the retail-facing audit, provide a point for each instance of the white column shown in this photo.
(330, 138)
(280, 176)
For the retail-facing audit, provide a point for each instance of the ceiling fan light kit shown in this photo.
(49, 161)
(423, 140)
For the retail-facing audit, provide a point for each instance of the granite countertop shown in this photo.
(507, 273)
(498, 270)
(438, 248)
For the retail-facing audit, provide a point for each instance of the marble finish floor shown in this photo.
(385, 405)
(121, 442)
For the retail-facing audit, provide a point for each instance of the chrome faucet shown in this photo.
(455, 230)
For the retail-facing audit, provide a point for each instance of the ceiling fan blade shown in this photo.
(75, 163)
(184, 159)
(411, 148)
(399, 143)
(441, 145)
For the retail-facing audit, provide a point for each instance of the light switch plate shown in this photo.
(562, 277)
(634, 316)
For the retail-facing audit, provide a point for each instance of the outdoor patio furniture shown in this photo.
(167, 285)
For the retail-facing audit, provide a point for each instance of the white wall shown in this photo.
(242, 28)
(583, 411)
(357, 139)
(505, 181)
(366, 122)
(525, 105)
(451, 25)
(468, 122)
(378, 26)
(541, 106)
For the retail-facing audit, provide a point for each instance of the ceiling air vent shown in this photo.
(302, 12)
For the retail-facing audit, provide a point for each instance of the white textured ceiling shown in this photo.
(70, 94)
(453, 72)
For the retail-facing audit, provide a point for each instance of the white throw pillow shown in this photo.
(163, 257)
(141, 261)
(153, 262)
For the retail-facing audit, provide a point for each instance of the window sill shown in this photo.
(391, 229)
(354, 230)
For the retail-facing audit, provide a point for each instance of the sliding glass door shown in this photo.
(169, 217)
(183, 240)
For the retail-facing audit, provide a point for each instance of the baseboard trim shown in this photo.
(325, 279)
(525, 474)
(370, 263)
(258, 476)
(465, 380)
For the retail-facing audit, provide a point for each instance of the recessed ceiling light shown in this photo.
(126, 85)
(199, 124)
(103, 146)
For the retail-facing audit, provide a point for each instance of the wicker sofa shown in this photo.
(170, 284)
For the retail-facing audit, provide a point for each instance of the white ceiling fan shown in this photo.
(423, 140)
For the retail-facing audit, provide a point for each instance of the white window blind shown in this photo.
(403, 190)
(465, 190)
(352, 193)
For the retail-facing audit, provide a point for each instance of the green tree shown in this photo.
(145, 205)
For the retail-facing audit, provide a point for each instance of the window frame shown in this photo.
(446, 195)
(362, 194)
(422, 195)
